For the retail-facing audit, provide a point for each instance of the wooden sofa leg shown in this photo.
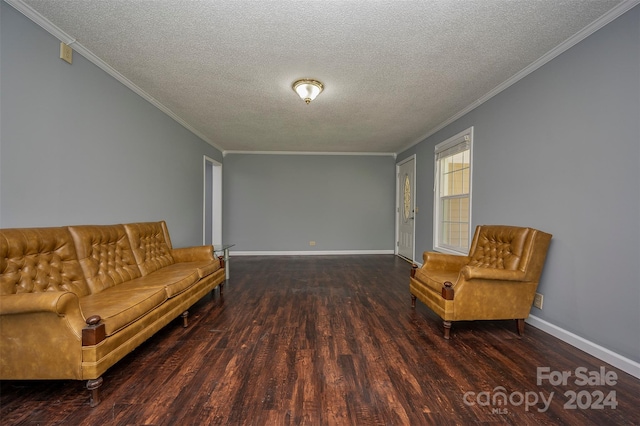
(94, 386)
(185, 319)
(447, 329)
(413, 301)
(520, 324)
(221, 288)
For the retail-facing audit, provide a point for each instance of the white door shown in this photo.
(406, 204)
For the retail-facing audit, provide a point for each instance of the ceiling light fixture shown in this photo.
(307, 89)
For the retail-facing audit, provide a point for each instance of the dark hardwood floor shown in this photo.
(323, 340)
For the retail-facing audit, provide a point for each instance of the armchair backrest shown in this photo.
(511, 248)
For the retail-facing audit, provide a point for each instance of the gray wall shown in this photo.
(560, 151)
(78, 147)
(281, 202)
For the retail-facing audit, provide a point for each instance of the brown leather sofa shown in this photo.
(75, 300)
(496, 281)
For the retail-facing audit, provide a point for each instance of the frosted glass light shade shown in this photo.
(307, 89)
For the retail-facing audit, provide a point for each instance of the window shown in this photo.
(452, 202)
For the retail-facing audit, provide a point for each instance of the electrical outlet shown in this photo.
(66, 53)
(312, 243)
(537, 300)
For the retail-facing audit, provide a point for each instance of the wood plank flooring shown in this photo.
(329, 340)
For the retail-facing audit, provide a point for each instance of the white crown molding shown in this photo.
(310, 253)
(31, 13)
(605, 19)
(608, 17)
(381, 154)
(52, 29)
(625, 364)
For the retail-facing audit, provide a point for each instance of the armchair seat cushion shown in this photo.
(122, 305)
(435, 279)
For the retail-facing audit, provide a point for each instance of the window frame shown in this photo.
(464, 137)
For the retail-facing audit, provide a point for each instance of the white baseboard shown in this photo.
(309, 253)
(625, 364)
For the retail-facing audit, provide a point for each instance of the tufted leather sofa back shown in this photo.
(105, 255)
(500, 247)
(151, 246)
(34, 260)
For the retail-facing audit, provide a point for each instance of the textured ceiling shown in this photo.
(394, 71)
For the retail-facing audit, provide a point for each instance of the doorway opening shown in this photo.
(212, 202)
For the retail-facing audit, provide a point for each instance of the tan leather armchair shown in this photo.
(496, 281)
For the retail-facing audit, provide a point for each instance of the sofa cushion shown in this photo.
(105, 255)
(122, 305)
(173, 280)
(204, 267)
(34, 260)
(150, 248)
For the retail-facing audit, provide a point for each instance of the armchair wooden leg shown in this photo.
(447, 329)
(94, 386)
(185, 319)
(413, 301)
(221, 288)
(520, 325)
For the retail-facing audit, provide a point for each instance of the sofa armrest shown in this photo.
(443, 262)
(474, 272)
(192, 254)
(63, 304)
(58, 302)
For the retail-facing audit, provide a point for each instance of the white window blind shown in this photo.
(452, 148)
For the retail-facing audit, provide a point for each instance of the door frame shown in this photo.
(413, 205)
(212, 187)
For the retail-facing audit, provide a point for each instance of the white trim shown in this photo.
(623, 363)
(47, 25)
(40, 20)
(390, 154)
(310, 253)
(605, 19)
